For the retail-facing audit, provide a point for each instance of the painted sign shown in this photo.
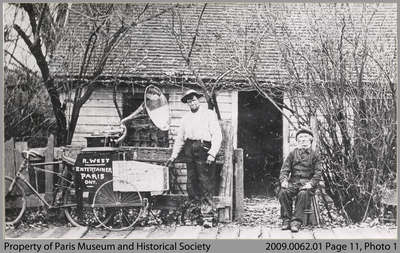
(92, 169)
(139, 176)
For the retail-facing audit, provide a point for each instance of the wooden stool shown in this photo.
(389, 206)
(312, 215)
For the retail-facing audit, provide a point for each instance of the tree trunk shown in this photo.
(61, 135)
(35, 47)
(73, 122)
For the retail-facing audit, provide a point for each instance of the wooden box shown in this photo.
(139, 176)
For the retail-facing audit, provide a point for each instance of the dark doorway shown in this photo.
(260, 136)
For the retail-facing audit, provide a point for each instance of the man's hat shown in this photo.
(304, 131)
(190, 93)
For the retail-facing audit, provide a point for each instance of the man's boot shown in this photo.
(285, 224)
(295, 226)
(207, 222)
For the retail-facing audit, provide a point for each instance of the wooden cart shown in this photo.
(117, 184)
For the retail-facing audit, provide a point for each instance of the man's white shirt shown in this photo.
(201, 125)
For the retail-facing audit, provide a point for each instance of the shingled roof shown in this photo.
(153, 45)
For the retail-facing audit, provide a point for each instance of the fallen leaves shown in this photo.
(266, 211)
(261, 211)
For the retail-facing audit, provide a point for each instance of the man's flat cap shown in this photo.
(304, 131)
(190, 93)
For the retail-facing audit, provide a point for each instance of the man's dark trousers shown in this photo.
(303, 202)
(200, 175)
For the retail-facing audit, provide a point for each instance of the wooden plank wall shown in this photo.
(178, 109)
(13, 161)
(9, 162)
(97, 114)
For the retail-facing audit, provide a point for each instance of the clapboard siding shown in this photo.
(93, 120)
(107, 111)
(223, 107)
(101, 102)
(99, 112)
(91, 128)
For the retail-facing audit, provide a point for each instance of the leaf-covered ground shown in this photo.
(257, 211)
(266, 211)
(261, 211)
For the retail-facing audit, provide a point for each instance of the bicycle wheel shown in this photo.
(15, 202)
(127, 206)
(82, 216)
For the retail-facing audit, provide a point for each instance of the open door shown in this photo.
(260, 136)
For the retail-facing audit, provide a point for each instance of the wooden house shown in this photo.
(149, 54)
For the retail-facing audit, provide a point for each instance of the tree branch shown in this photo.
(196, 32)
(23, 35)
(143, 11)
(20, 63)
(31, 14)
(115, 99)
(221, 77)
(252, 80)
(154, 16)
(36, 35)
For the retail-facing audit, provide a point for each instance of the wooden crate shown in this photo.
(139, 176)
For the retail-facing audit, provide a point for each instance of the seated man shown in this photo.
(300, 174)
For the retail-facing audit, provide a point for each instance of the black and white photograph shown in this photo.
(200, 121)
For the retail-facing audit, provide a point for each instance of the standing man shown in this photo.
(199, 136)
(300, 174)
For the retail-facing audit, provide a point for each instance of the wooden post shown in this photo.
(19, 147)
(9, 162)
(226, 186)
(239, 185)
(49, 157)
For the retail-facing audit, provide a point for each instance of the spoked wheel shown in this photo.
(127, 206)
(82, 216)
(15, 202)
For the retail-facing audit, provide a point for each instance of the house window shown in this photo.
(141, 130)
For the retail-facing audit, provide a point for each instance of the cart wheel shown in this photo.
(127, 206)
(83, 216)
(15, 202)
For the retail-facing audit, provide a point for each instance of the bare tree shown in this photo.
(186, 40)
(337, 66)
(340, 77)
(233, 51)
(93, 51)
(41, 37)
